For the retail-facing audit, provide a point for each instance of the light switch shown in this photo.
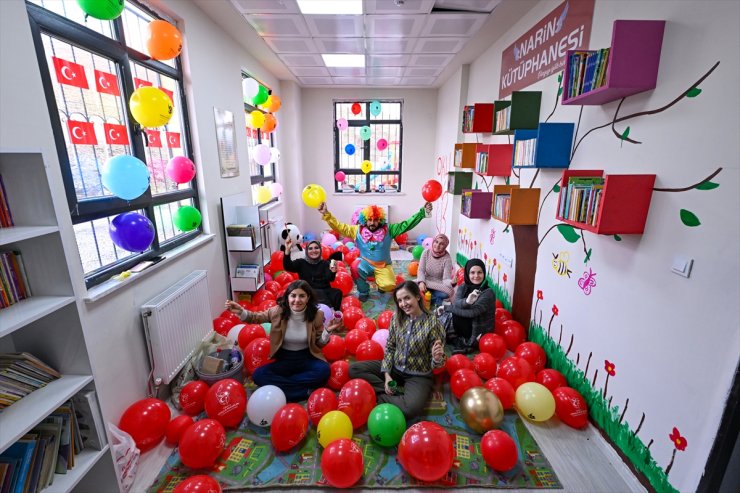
(682, 265)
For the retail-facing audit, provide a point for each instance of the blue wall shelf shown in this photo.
(547, 147)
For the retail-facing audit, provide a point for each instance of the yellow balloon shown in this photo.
(313, 195)
(264, 194)
(333, 426)
(366, 166)
(150, 107)
(534, 401)
(258, 119)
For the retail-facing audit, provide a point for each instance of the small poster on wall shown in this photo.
(226, 142)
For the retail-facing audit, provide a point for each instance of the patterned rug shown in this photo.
(250, 461)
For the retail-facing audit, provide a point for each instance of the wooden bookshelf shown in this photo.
(457, 181)
(523, 207)
(494, 159)
(624, 202)
(632, 67)
(550, 143)
(476, 204)
(464, 156)
(524, 112)
(478, 118)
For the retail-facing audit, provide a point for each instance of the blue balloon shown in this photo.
(308, 236)
(349, 149)
(375, 108)
(420, 239)
(131, 231)
(350, 245)
(365, 132)
(125, 176)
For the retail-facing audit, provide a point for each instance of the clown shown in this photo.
(373, 238)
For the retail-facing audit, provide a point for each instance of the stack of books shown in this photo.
(502, 119)
(21, 374)
(13, 280)
(524, 152)
(6, 217)
(467, 123)
(587, 71)
(481, 163)
(581, 199)
(502, 206)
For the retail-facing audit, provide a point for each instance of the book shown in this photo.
(7, 215)
(34, 474)
(90, 419)
(52, 432)
(23, 451)
(588, 79)
(30, 359)
(11, 475)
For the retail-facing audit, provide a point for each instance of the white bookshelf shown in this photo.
(84, 461)
(29, 310)
(20, 233)
(237, 209)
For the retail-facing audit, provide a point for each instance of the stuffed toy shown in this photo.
(291, 231)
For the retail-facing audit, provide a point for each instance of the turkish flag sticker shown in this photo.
(81, 133)
(153, 136)
(115, 134)
(173, 140)
(70, 73)
(141, 83)
(107, 83)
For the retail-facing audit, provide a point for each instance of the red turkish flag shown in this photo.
(169, 93)
(115, 134)
(154, 138)
(70, 73)
(173, 140)
(141, 83)
(106, 83)
(81, 133)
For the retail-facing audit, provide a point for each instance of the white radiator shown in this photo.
(175, 323)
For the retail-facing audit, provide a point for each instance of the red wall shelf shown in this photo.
(478, 118)
(494, 159)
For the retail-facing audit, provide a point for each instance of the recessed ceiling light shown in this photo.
(338, 7)
(342, 60)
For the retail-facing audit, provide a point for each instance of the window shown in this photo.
(382, 149)
(101, 63)
(260, 175)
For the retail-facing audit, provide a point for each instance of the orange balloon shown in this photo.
(164, 41)
(273, 103)
(413, 268)
(269, 124)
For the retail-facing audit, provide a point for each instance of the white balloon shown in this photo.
(234, 332)
(262, 154)
(264, 403)
(274, 154)
(250, 88)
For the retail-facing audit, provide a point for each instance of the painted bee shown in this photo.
(560, 264)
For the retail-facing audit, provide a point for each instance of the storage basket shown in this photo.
(235, 372)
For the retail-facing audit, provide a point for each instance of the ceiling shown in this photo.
(405, 42)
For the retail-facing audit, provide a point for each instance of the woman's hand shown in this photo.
(322, 208)
(422, 287)
(388, 379)
(438, 351)
(440, 310)
(288, 244)
(334, 325)
(472, 297)
(234, 308)
(333, 266)
(428, 209)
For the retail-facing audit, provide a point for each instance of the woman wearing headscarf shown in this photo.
(435, 270)
(317, 272)
(473, 311)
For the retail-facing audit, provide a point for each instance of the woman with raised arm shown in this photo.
(315, 271)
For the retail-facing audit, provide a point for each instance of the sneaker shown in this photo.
(363, 297)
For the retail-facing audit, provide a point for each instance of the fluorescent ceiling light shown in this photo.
(336, 60)
(338, 7)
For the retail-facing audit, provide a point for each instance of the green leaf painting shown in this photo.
(626, 133)
(506, 180)
(556, 188)
(689, 218)
(617, 238)
(588, 256)
(560, 91)
(568, 232)
(707, 185)
(560, 77)
(693, 92)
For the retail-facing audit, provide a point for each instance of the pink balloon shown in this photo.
(382, 144)
(268, 277)
(381, 337)
(427, 243)
(276, 189)
(180, 169)
(262, 154)
(340, 176)
(328, 239)
(342, 124)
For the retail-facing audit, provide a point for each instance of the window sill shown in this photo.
(96, 293)
(270, 205)
(364, 194)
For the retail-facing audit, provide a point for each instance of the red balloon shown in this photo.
(222, 325)
(552, 379)
(226, 402)
(463, 380)
(262, 295)
(493, 344)
(339, 375)
(402, 239)
(198, 484)
(266, 305)
(284, 278)
(400, 279)
(326, 252)
(356, 400)
(341, 463)
(249, 333)
(230, 316)
(516, 371)
(369, 350)
(502, 315)
(431, 190)
(334, 349)
(533, 353)
(514, 334)
(351, 256)
(458, 362)
(202, 443)
(570, 407)
(272, 286)
(289, 427)
(384, 319)
(146, 421)
(503, 390)
(320, 402)
(257, 354)
(499, 304)
(343, 282)
(276, 262)
(354, 338)
(176, 428)
(460, 276)
(350, 316)
(485, 365)
(268, 269)
(192, 397)
(499, 450)
(353, 266)
(246, 305)
(426, 451)
(356, 110)
(349, 301)
(367, 325)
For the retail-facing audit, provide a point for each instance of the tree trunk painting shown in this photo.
(526, 247)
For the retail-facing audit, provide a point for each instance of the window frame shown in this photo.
(46, 22)
(366, 144)
(260, 179)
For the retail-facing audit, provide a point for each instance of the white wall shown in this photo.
(674, 341)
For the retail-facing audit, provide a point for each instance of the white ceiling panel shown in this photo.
(423, 71)
(340, 45)
(460, 25)
(310, 71)
(347, 71)
(467, 5)
(335, 25)
(390, 45)
(291, 45)
(266, 6)
(384, 71)
(387, 60)
(312, 81)
(305, 60)
(391, 26)
(278, 25)
(390, 7)
(418, 81)
(384, 81)
(355, 81)
(439, 45)
(430, 60)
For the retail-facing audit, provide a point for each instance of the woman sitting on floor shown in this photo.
(414, 348)
(315, 271)
(296, 338)
(435, 270)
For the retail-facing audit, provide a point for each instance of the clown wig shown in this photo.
(371, 212)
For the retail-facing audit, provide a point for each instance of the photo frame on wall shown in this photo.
(226, 142)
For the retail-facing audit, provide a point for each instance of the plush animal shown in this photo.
(291, 231)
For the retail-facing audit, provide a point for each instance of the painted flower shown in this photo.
(679, 441)
(485, 256)
(494, 262)
(554, 309)
(505, 277)
(609, 367)
(539, 294)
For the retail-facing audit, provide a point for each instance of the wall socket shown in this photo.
(682, 265)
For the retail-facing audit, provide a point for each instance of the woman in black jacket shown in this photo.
(315, 271)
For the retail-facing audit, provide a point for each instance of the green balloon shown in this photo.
(106, 10)
(267, 326)
(417, 251)
(386, 425)
(261, 96)
(186, 218)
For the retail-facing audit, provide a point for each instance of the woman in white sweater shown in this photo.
(436, 269)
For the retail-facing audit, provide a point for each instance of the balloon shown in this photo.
(226, 401)
(353, 339)
(275, 157)
(334, 349)
(250, 88)
(533, 353)
(382, 144)
(481, 409)
(222, 325)
(366, 166)
(333, 426)
(340, 176)
(493, 344)
(131, 231)
(150, 107)
(180, 169)
(284, 278)
(186, 218)
(349, 301)
(534, 401)
(176, 428)
(502, 315)
(356, 400)
(163, 41)
(431, 190)
(263, 295)
(343, 282)
(289, 427)
(261, 96)
(552, 379)
(264, 403)
(365, 132)
(266, 305)
(426, 451)
(349, 149)
(313, 195)
(320, 402)
(249, 333)
(463, 380)
(386, 425)
(192, 397)
(427, 243)
(276, 189)
(499, 450)
(458, 362)
(384, 319)
(514, 334)
(202, 443)
(375, 108)
(273, 103)
(367, 325)
(417, 251)
(341, 463)
(263, 194)
(269, 124)
(262, 154)
(256, 119)
(342, 124)
(198, 484)
(339, 375)
(420, 239)
(102, 10)
(125, 176)
(351, 316)
(381, 337)
(369, 351)
(570, 407)
(257, 353)
(485, 365)
(356, 108)
(413, 268)
(503, 390)
(276, 261)
(146, 421)
(516, 371)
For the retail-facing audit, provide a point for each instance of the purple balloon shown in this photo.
(131, 231)
(328, 313)
(427, 243)
(381, 337)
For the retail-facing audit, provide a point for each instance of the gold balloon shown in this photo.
(481, 410)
